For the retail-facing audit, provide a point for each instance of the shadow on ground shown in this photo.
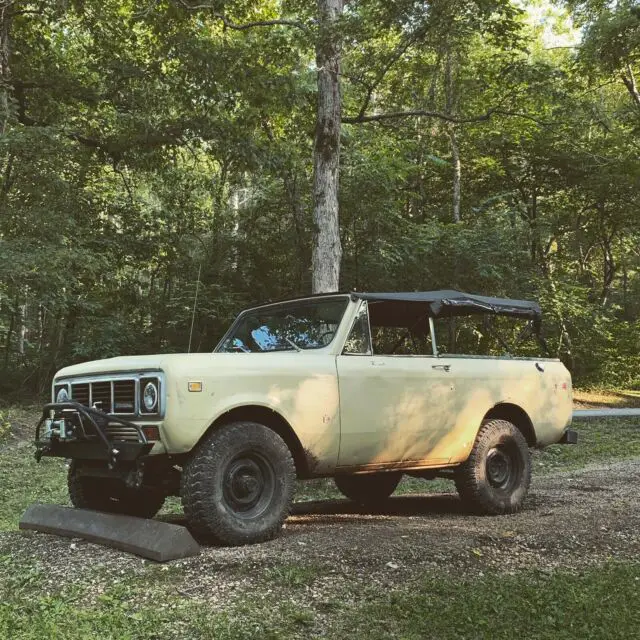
(327, 511)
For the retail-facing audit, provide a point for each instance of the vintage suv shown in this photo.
(356, 386)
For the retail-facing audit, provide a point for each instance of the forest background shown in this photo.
(491, 146)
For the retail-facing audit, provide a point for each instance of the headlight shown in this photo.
(62, 395)
(150, 397)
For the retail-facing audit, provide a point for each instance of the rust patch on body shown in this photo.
(313, 462)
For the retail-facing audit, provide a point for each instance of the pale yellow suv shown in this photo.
(361, 387)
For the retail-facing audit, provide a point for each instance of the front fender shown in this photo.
(310, 406)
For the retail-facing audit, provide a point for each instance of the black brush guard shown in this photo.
(78, 432)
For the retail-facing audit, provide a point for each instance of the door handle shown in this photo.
(444, 367)
(377, 364)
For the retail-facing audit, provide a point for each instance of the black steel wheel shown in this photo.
(249, 483)
(495, 478)
(111, 496)
(368, 489)
(237, 488)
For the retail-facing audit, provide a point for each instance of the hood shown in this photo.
(130, 364)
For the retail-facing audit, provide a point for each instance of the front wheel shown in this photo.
(496, 476)
(238, 486)
(368, 489)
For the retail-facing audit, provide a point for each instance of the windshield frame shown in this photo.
(281, 305)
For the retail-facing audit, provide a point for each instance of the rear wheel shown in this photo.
(112, 496)
(238, 486)
(368, 489)
(495, 478)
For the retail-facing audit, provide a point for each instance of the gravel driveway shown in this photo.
(571, 519)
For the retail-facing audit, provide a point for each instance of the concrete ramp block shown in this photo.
(159, 541)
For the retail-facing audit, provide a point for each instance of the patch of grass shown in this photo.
(5, 427)
(606, 398)
(592, 604)
(18, 423)
(410, 485)
(24, 482)
(318, 489)
(134, 607)
(292, 575)
(599, 440)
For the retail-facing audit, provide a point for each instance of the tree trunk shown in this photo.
(630, 82)
(5, 73)
(451, 99)
(327, 249)
(457, 172)
(7, 343)
(22, 328)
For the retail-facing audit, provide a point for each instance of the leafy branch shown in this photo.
(396, 115)
(229, 24)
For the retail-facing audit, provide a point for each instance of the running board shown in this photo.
(152, 539)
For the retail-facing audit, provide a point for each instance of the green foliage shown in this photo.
(143, 143)
(5, 427)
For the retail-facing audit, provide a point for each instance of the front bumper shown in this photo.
(570, 436)
(77, 432)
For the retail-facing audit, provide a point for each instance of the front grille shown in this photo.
(121, 433)
(124, 396)
(117, 396)
(80, 393)
(101, 396)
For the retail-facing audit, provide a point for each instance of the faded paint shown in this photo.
(356, 412)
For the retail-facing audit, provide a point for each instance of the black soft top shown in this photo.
(455, 303)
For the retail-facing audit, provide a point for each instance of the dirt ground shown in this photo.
(572, 519)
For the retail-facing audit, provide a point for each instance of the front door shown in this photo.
(394, 408)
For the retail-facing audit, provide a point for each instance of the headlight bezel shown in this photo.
(59, 388)
(150, 393)
(150, 383)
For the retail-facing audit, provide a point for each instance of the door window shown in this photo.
(400, 328)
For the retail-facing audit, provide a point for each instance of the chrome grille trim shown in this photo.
(114, 390)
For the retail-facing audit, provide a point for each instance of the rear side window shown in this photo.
(487, 335)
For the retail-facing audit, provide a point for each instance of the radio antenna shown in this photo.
(195, 302)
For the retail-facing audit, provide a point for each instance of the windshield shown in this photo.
(311, 324)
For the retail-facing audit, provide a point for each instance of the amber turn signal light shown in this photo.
(151, 432)
(195, 386)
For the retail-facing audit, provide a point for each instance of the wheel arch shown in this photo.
(517, 416)
(270, 419)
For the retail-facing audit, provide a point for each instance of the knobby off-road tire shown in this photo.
(496, 477)
(368, 489)
(105, 494)
(238, 486)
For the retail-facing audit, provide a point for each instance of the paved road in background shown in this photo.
(605, 413)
